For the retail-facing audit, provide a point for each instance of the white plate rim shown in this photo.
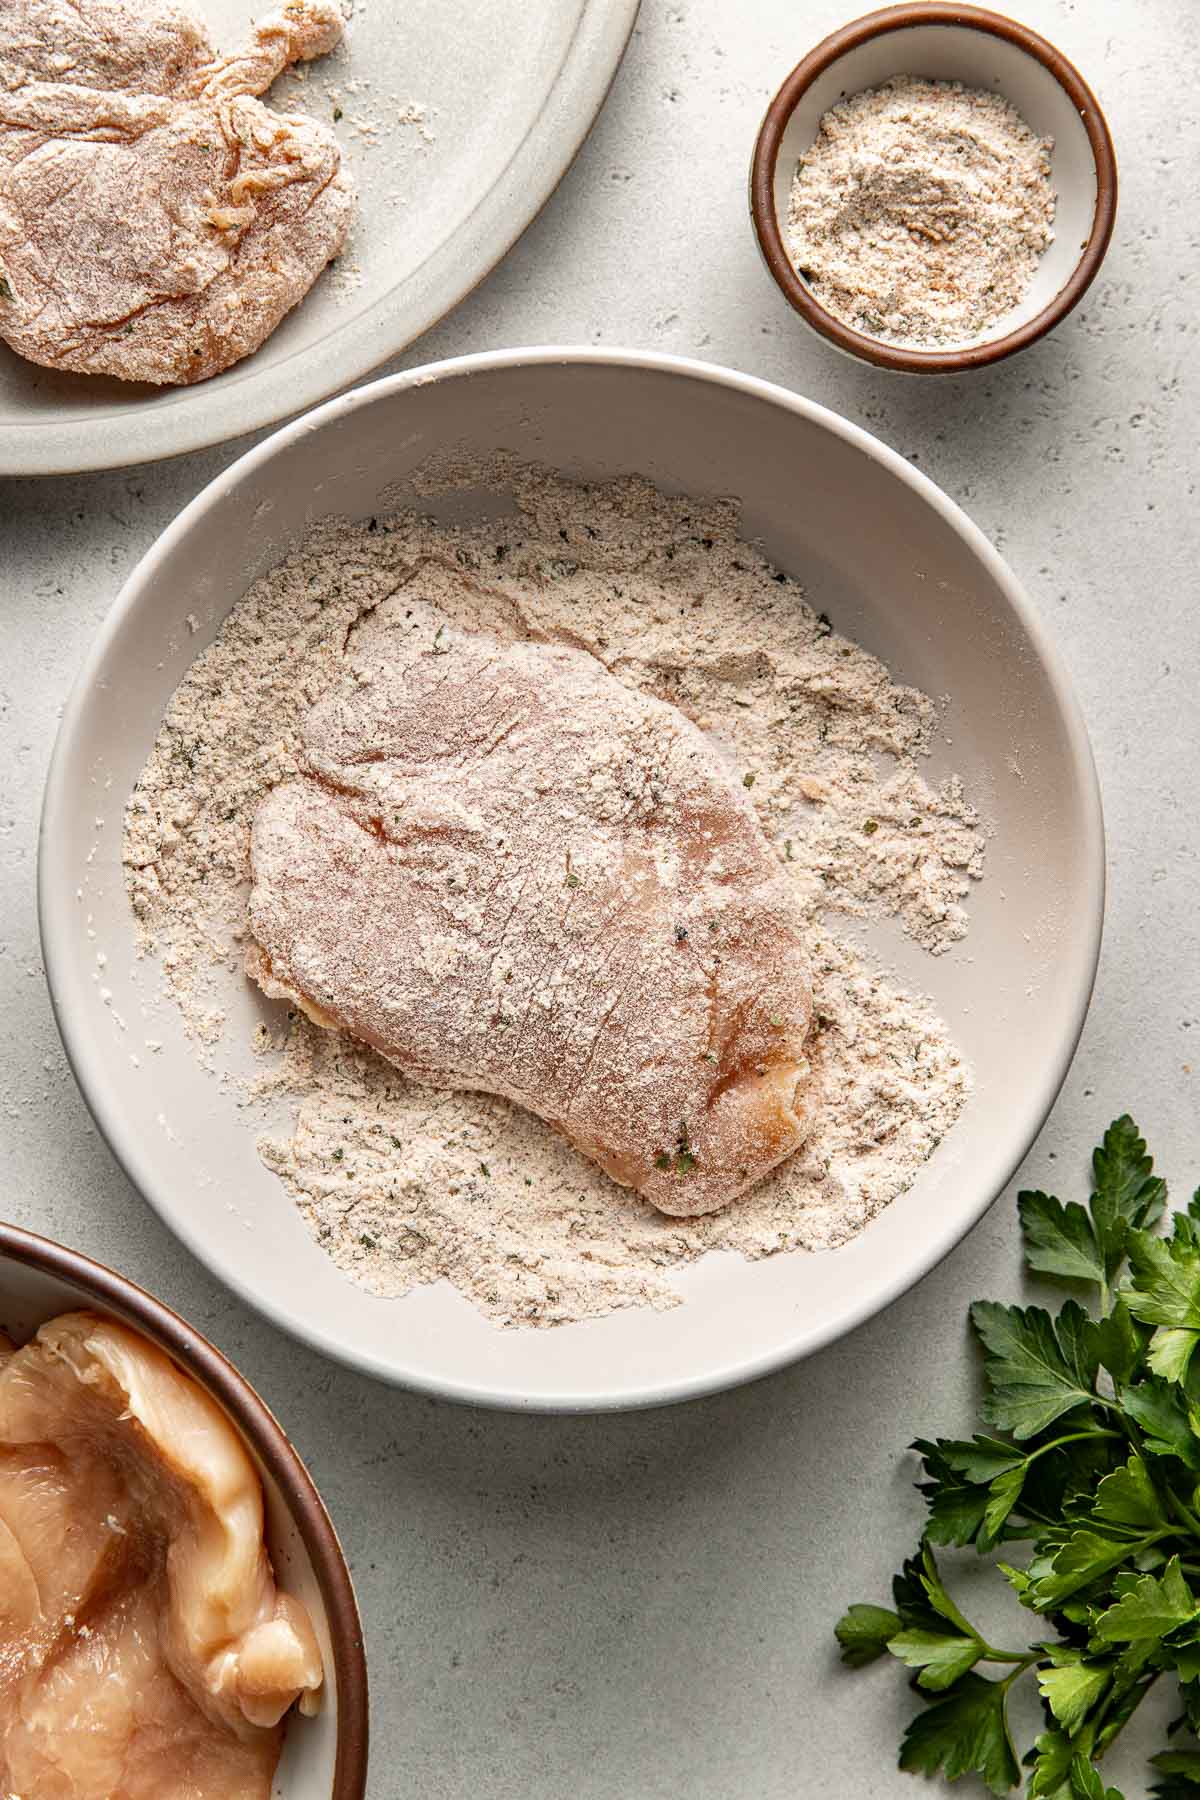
(280, 391)
(55, 918)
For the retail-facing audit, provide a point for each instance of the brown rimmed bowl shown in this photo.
(982, 50)
(325, 1757)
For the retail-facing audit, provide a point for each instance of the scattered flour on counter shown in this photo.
(404, 1184)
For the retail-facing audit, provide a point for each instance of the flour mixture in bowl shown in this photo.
(809, 753)
(921, 212)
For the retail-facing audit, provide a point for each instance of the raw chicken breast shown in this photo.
(505, 870)
(145, 1652)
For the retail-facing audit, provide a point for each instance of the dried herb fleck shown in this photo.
(685, 1160)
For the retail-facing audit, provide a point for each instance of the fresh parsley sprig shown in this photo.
(1092, 1458)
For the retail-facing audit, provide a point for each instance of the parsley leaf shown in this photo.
(1170, 1353)
(1050, 1760)
(1164, 1290)
(939, 1598)
(1151, 1609)
(1035, 1372)
(1002, 1496)
(956, 1505)
(864, 1633)
(1059, 1239)
(1127, 1499)
(911, 1598)
(964, 1733)
(956, 1512)
(940, 1656)
(1072, 1687)
(1117, 1342)
(1185, 1763)
(1127, 1192)
(1167, 1421)
(982, 1459)
(1087, 1783)
(972, 1489)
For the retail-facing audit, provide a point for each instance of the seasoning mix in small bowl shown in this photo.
(933, 187)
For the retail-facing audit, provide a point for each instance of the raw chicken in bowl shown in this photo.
(174, 1604)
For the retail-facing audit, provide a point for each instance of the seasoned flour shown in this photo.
(922, 210)
(404, 1184)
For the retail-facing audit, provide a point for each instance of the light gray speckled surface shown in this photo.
(641, 1606)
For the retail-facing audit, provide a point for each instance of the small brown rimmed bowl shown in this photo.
(325, 1757)
(982, 50)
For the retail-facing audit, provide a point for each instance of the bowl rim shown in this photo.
(117, 1294)
(766, 156)
(56, 926)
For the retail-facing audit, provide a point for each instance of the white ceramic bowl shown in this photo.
(982, 49)
(895, 564)
(325, 1757)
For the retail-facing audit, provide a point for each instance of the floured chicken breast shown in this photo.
(506, 871)
(156, 220)
(145, 1652)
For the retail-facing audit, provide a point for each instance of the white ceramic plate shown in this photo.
(509, 90)
(894, 563)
